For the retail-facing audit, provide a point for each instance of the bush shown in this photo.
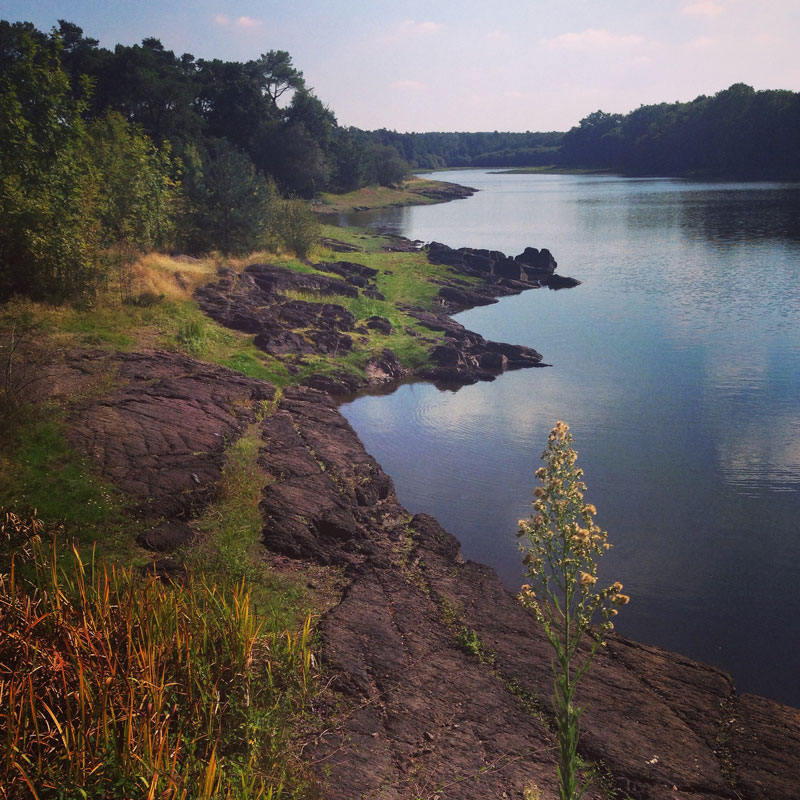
(22, 358)
(293, 225)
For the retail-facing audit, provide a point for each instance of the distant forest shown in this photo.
(139, 147)
(737, 133)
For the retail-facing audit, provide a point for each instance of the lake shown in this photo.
(676, 364)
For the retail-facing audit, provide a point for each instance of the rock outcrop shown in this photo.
(283, 309)
(530, 266)
(443, 191)
(437, 677)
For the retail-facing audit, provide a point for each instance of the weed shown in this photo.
(563, 545)
(116, 684)
(192, 336)
(530, 701)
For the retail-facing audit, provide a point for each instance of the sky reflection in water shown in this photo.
(675, 363)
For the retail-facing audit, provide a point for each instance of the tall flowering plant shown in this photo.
(561, 545)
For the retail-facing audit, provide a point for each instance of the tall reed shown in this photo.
(116, 684)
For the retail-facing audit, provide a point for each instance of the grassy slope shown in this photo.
(39, 470)
(378, 197)
(37, 467)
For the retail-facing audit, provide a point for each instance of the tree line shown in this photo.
(107, 151)
(736, 133)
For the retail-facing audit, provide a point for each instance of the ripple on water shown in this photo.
(676, 364)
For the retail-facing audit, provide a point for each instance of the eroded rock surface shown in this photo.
(296, 314)
(160, 431)
(438, 678)
(421, 715)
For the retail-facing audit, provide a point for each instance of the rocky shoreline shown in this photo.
(437, 677)
(285, 312)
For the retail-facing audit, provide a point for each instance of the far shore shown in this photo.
(414, 192)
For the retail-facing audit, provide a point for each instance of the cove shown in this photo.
(675, 363)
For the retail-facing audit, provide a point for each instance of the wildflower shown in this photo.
(561, 558)
(620, 599)
(582, 535)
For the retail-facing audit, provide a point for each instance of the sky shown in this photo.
(469, 65)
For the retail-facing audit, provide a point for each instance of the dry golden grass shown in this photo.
(175, 277)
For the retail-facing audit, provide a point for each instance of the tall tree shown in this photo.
(277, 75)
(227, 200)
(48, 233)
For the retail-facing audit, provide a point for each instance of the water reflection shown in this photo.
(676, 365)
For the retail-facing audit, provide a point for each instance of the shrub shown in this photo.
(293, 225)
(562, 547)
(22, 358)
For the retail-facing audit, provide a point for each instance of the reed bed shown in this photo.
(115, 684)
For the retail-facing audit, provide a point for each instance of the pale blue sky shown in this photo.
(470, 64)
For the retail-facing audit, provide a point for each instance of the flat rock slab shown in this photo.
(160, 430)
(421, 716)
(438, 678)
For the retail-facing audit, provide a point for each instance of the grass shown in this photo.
(115, 684)
(141, 689)
(378, 197)
(228, 547)
(41, 471)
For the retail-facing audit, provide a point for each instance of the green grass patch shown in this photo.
(229, 544)
(365, 241)
(41, 471)
(379, 197)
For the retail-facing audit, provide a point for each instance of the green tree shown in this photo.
(49, 235)
(227, 200)
(137, 194)
(390, 168)
(561, 548)
(277, 75)
(151, 86)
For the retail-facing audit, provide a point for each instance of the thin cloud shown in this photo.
(248, 22)
(514, 94)
(412, 85)
(701, 43)
(704, 8)
(240, 22)
(496, 36)
(409, 26)
(593, 39)
(766, 40)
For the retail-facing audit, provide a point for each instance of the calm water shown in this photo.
(676, 364)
